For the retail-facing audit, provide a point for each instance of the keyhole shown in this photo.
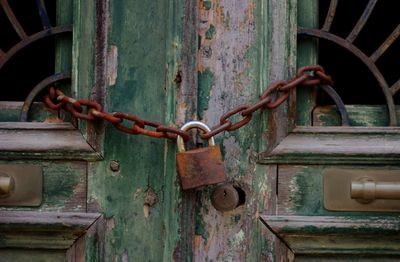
(227, 197)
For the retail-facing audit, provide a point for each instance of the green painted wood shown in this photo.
(21, 255)
(29, 140)
(88, 64)
(43, 230)
(177, 243)
(146, 54)
(359, 115)
(337, 145)
(11, 111)
(63, 57)
(335, 235)
(63, 52)
(307, 54)
(305, 197)
(359, 258)
(64, 186)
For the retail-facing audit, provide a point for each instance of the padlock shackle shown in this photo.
(190, 125)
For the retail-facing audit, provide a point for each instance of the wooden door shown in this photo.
(111, 196)
(45, 154)
(319, 149)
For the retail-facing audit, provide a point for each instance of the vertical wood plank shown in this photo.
(282, 61)
(141, 201)
(307, 55)
(243, 46)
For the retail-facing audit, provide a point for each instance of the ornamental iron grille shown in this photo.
(27, 39)
(348, 43)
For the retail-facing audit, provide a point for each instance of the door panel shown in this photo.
(302, 220)
(19, 255)
(60, 228)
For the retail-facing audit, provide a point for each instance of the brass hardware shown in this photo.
(200, 166)
(362, 189)
(20, 185)
(193, 124)
(366, 189)
(6, 185)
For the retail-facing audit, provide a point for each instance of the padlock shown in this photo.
(201, 166)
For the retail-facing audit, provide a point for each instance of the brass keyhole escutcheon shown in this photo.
(7, 185)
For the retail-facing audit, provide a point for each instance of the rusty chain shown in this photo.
(273, 96)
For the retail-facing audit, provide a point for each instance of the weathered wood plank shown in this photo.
(10, 111)
(338, 234)
(359, 115)
(77, 252)
(343, 146)
(23, 255)
(338, 257)
(49, 230)
(36, 126)
(307, 54)
(139, 33)
(301, 189)
(55, 220)
(234, 58)
(40, 140)
(64, 186)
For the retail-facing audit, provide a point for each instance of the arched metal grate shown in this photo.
(348, 44)
(26, 40)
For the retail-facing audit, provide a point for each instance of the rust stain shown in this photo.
(53, 119)
(250, 12)
(197, 241)
(220, 13)
(146, 211)
(200, 67)
(200, 167)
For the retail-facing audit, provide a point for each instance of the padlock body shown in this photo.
(200, 167)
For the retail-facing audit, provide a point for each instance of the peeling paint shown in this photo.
(207, 4)
(125, 257)
(146, 211)
(210, 32)
(232, 156)
(206, 82)
(112, 65)
(136, 193)
(227, 38)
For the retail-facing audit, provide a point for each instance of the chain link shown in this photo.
(275, 94)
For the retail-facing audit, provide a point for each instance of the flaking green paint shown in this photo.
(148, 40)
(307, 16)
(207, 4)
(306, 197)
(206, 83)
(200, 224)
(236, 218)
(210, 32)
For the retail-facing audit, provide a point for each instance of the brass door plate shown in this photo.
(337, 189)
(27, 185)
